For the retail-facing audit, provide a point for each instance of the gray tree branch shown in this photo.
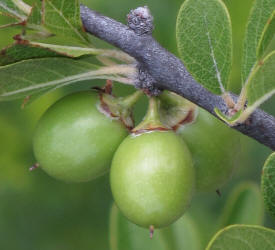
(169, 72)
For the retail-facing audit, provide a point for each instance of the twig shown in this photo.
(169, 72)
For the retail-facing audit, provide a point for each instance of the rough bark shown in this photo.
(169, 72)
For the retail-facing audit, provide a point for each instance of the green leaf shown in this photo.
(125, 235)
(74, 51)
(259, 17)
(243, 237)
(270, 47)
(19, 52)
(14, 8)
(231, 121)
(35, 16)
(40, 75)
(268, 37)
(268, 181)
(204, 39)
(30, 50)
(62, 17)
(244, 206)
(260, 86)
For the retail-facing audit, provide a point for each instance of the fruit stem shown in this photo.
(130, 100)
(151, 120)
(152, 114)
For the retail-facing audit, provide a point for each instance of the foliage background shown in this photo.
(38, 212)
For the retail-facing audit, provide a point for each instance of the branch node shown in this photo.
(146, 82)
(140, 20)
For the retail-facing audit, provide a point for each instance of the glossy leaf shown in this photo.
(244, 206)
(62, 17)
(268, 184)
(204, 40)
(259, 18)
(243, 237)
(39, 75)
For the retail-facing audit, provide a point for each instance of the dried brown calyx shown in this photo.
(118, 107)
(176, 111)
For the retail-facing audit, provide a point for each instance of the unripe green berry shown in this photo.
(74, 141)
(152, 178)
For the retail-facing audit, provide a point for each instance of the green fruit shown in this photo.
(74, 141)
(152, 178)
(214, 147)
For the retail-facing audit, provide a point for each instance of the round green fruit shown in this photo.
(74, 141)
(214, 149)
(152, 178)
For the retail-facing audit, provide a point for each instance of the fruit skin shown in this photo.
(74, 141)
(214, 149)
(152, 178)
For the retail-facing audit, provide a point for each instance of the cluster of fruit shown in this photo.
(154, 171)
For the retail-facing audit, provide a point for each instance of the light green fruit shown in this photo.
(74, 141)
(152, 178)
(214, 148)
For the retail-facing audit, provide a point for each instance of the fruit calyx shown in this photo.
(118, 107)
(175, 110)
(151, 121)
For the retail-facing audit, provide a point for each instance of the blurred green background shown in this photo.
(40, 213)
